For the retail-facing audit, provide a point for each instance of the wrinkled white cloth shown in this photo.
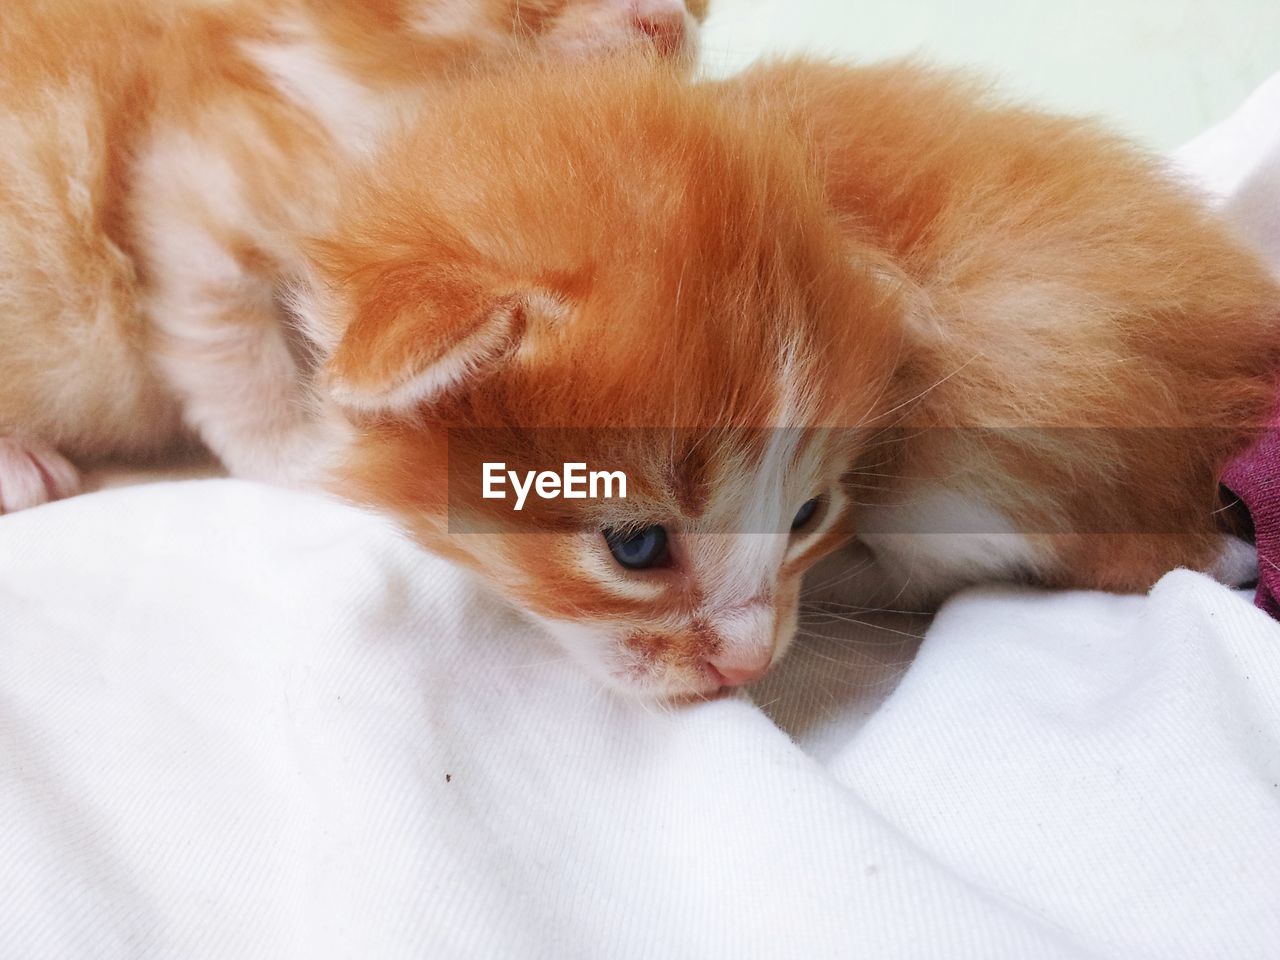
(242, 722)
(1237, 163)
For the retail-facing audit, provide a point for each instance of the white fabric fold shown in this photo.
(242, 722)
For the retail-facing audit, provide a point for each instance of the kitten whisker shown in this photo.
(858, 622)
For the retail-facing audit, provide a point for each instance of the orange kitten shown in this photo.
(646, 279)
(156, 158)
(604, 264)
(1090, 345)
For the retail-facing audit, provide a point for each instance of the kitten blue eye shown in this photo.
(805, 513)
(638, 549)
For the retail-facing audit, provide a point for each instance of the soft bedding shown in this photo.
(243, 722)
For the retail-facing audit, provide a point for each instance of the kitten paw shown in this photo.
(1237, 565)
(32, 473)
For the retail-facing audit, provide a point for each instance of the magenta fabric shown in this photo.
(1255, 479)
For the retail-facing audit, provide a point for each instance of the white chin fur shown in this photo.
(601, 653)
(976, 543)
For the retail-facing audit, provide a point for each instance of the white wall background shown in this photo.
(1160, 70)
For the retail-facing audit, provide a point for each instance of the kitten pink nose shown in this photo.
(663, 22)
(740, 668)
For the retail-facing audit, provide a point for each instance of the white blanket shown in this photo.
(240, 722)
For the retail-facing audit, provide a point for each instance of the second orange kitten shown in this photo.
(156, 160)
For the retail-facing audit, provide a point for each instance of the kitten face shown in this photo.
(712, 600)
(648, 282)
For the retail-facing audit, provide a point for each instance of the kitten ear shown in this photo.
(920, 320)
(397, 337)
(397, 359)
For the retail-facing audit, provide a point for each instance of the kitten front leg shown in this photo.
(221, 344)
(212, 212)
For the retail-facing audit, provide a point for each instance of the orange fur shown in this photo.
(742, 294)
(155, 161)
(646, 278)
(1101, 340)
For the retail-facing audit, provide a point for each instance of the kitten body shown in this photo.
(156, 162)
(622, 252)
(1089, 344)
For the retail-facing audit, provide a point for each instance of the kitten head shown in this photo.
(631, 273)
